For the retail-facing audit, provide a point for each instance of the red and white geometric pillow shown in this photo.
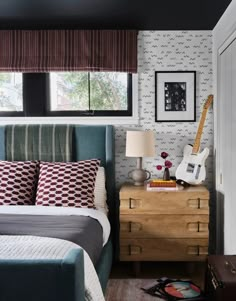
(18, 182)
(67, 183)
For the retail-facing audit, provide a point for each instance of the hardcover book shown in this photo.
(161, 183)
(160, 188)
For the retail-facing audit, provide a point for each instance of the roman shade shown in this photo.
(68, 50)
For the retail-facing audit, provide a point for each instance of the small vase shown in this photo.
(166, 174)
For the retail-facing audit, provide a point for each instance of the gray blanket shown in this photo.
(82, 230)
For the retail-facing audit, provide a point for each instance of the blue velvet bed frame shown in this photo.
(49, 280)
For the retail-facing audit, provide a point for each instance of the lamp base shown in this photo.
(139, 176)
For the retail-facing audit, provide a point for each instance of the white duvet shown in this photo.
(42, 247)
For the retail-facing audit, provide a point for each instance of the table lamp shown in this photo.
(140, 144)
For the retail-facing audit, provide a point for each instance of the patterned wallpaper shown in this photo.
(169, 51)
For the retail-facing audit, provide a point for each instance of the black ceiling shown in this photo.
(112, 14)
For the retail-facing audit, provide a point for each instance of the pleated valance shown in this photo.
(68, 50)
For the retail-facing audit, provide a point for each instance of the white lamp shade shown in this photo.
(140, 144)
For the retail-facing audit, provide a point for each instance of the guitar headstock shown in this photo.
(208, 101)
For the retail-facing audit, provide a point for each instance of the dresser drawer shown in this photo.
(164, 226)
(165, 203)
(192, 200)
(163, 249)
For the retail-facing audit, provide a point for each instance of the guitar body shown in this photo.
(192, 168)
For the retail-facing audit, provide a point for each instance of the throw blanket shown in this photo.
(39, 142)
(33, 247)
(71, 228)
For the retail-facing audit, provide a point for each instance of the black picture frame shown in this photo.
(175, 96)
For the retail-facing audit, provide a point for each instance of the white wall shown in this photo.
(170, 51)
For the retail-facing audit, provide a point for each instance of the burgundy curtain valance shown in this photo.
(68, 50)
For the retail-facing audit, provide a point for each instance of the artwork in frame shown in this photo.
(175, 96)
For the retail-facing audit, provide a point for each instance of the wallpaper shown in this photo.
(169, 51)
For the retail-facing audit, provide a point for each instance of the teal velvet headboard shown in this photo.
(98, 142)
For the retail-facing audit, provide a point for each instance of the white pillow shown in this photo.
(100, 193)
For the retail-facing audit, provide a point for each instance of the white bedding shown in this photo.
(34, 247)
(39, 247)
(100, 215)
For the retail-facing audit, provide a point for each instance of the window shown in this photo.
(66, 94)
(90, 93)
(11, 94)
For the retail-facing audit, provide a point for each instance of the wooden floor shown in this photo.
(124, 285)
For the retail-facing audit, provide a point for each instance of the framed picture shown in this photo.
(175, 96)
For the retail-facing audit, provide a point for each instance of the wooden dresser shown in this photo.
(163, 225)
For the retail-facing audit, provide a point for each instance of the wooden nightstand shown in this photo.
(164, 225)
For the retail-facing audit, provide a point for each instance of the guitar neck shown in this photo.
(197, 141)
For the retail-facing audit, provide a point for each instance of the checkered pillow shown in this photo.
(67, 183)
(18, 182)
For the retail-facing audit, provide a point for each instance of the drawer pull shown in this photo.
(134, 250)
(197, 250)
(203, 250)
(131, 206)
(197, 227)
(198, 203)
(135, 227)
(130, 227)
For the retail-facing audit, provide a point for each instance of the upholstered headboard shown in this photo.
(72, 142)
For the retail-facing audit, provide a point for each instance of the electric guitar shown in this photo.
(192, 168)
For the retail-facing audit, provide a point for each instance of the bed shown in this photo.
(65, 245)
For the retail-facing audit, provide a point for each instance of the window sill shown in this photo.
(69, 120)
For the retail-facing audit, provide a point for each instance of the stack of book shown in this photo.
(159, 184)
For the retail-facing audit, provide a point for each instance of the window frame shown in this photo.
(33, 115)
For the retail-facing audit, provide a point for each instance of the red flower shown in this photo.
(164, 155)
(168, 164)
